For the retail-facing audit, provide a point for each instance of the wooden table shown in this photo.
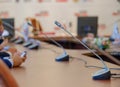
(56, 37)
(41, 69)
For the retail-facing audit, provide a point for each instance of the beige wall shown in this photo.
(50, 10)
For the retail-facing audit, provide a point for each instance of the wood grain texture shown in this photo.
(41, 69)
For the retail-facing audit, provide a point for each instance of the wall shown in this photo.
(65, 11)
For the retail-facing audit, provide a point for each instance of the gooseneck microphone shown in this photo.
(64, 56)
(99, 75)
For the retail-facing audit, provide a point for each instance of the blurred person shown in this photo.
(9, 55)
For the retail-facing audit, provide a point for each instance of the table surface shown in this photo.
(41, 70)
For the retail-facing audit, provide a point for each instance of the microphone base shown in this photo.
(13, 39)
(103, 74)
(26, 44)
(19, 41)
(33, 46)
(63, 57)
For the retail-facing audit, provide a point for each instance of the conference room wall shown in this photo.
(108, 11)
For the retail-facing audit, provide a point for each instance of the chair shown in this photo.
(37, 26)
(6, 78)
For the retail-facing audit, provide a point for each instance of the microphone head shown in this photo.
(59, 25)
(29, 24)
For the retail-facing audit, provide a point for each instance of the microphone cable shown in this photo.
(113, 75)
(99, 73)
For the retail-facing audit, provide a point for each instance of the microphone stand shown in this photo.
(64, 56)
(99, 75)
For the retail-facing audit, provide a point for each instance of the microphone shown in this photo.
(19, 41)
(35, 44)
(102, 74)
(28, 43)
(64, 56)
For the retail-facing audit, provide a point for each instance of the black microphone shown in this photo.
(99, 75)
(64, 56)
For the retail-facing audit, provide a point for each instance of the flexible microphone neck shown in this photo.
(103, 74)
(59, 25)
(56, 43)
(51, 40)
(64, 56)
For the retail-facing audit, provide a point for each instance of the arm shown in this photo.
(17, 59)
(7, 76)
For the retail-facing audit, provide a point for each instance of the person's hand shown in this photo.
(17, 60)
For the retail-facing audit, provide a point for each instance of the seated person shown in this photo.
(10, 56)
(3, 36)
(89, 38)
(22, 32)
(100, 41)
(115, 37)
